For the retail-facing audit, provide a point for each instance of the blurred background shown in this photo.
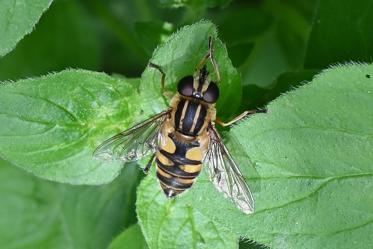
(275, 44)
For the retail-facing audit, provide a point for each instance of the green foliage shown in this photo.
(314, 166)
(17, 19)
(62, 132)
(314, 161)
(179, 56)
(307, 161)
(46, 49)
(175, 224)
(341, 33)
(280, 41)
(40, 214)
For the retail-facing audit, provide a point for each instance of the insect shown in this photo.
(183, 138)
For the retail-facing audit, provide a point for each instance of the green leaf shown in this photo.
(130, 238)
(39, 214)
(341, 33)
(312, 152)
(17, 19)
(51, 125)
(48, 49)
(179, 56)
(173, 224)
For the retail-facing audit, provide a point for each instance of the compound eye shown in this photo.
(185, 86)
(212, 93)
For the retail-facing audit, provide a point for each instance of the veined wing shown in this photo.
(226, 175)
(134, 143)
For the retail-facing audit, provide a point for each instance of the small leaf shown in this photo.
(131, 238)
(341, 32)
(179, 56)
(51, 125)
(39, 214)
(312, 152)
(17, 19)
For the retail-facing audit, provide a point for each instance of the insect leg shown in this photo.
(202, 62)
(239, 117)
(213, 62)
(163, 75)
(209, 55)
(149, 164)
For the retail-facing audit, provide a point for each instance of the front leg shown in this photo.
(166, 94)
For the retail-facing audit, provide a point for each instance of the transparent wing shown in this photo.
(226, 175)
(134, 143)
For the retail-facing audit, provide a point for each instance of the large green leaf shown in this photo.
(179, 56)
(313, 155)
(17, 19)
(37, 214)
(65, 37)
(341, 33)
(51, 125)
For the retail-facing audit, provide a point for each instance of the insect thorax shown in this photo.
(191, 116)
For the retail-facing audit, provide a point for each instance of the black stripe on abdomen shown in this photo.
(176, 171)
(173, 182)
(180, 172)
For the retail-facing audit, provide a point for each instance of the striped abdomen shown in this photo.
(190, 116)
(178, 164)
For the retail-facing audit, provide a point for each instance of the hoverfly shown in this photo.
(183, 137)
